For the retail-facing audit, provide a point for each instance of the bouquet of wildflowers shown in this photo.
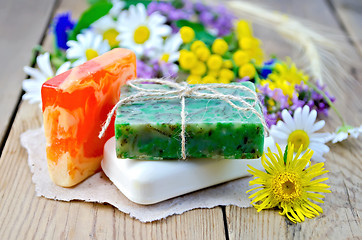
(185, 41)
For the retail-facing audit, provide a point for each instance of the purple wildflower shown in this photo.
(312, 98)
(170, 12)
(217, 18)
(143, 70)
(61, 27)
(147, 68)
(274, 102)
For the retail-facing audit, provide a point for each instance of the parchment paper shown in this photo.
(99, 188)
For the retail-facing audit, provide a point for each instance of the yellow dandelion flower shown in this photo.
(227, 74)
(199, 69)
(193, 79)
(214, 62)
(187, 60)
(288, 184)
(197, 44)
(243, 29)
(187, 34)
(203, 53)
(247, 70)
(288, 72)
(209, 79)
(240, 58)
(227, 64)
(219, 46)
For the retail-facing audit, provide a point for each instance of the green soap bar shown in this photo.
(150, 130)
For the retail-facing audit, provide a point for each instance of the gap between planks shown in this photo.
(54, 219)
(32, 64)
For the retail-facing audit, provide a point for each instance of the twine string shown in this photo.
(182, 91)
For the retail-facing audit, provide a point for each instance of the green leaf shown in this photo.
(285, 157)
(232, 41)
(206, 37)
(91, 15)
(195, 26)
(135, 2)
(92, 2)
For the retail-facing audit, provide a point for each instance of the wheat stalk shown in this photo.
(322, 49)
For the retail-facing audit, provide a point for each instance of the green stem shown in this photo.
(330, 103)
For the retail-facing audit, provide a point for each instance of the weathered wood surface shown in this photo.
(350, 14)
(25, 216)
(343, 207)
(22, 25)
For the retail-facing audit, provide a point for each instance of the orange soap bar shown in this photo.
(75, 105)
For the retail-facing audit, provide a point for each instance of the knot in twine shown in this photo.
(182, 91)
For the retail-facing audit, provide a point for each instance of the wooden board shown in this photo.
(47, 219)
(343, 207)
(350, 14)
(25, 216)
(20, 31)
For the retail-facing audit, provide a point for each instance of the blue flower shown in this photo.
(62, 25)
(267, 68)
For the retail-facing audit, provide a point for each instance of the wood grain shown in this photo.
(342, 208)
(25, 216)
(20, 31)
(350, 13)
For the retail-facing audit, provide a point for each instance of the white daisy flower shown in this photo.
(32, 86)
(300, 130)
(169, 52)
(139, 32)
(344, 132)
(88, 45)
(118, 5)
(107, 25)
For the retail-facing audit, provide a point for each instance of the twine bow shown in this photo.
(182, 91)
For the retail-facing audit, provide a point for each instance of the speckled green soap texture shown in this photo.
(150, 130)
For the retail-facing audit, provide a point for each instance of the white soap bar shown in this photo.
(148, 182)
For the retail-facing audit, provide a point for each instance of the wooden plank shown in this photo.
(23, 215)
(350, 13)
(342, 208)
(21, 30)
(26, 216)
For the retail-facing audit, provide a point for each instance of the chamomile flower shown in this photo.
(169, 52)
(139, 32)
(38, 76)
(344, 132)
(300, 130)
(88, 45)
(107, 25)
(117, 7)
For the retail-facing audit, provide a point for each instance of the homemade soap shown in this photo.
(150, 130)
(148, 182)
(75, 104)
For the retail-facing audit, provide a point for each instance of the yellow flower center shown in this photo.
(165, 57)
(299, 138)
(90, 53)
(111, 36)
(286, 187)
(141, 34)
